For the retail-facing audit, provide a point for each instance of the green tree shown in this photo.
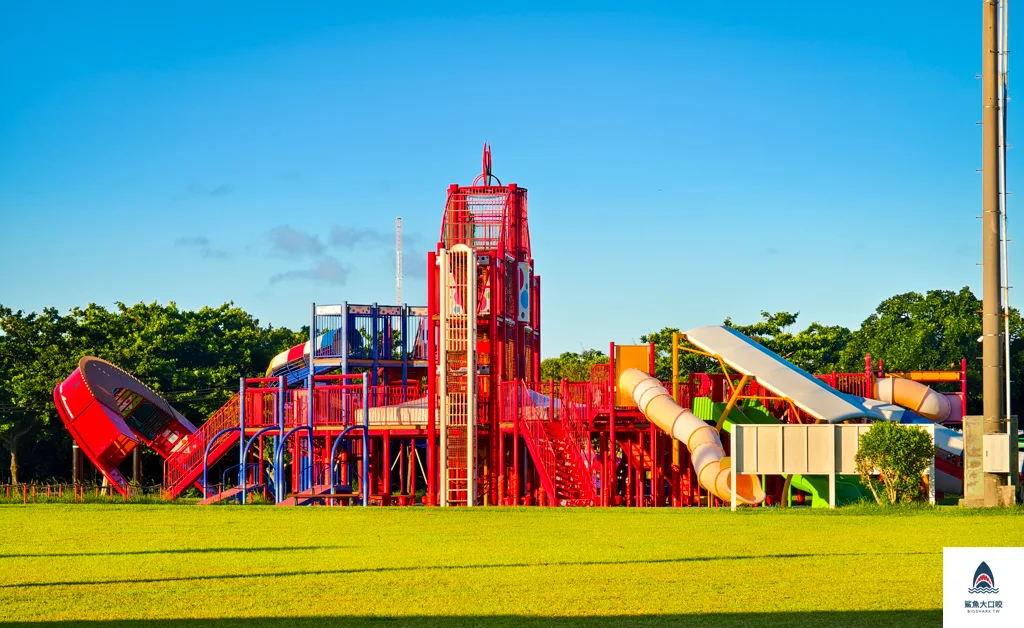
(900, 454)
(193, 358)
(572, 366)
(915, 331)
(34, 356)
(688, 362)
(933, 330)
(816, 349)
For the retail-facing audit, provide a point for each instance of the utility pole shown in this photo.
(990, 441)
(991, 327)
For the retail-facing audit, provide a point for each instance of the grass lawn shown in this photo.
(171, 565)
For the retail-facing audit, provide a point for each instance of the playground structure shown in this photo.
(441, 404)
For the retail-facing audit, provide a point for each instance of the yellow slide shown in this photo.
(713, 468)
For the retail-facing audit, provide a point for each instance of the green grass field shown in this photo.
(151, 565)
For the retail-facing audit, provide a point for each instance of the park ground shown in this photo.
(107, 565)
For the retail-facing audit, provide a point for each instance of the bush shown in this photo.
(899, 453)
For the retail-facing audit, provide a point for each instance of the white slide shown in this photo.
(895, 395)
(787, 380)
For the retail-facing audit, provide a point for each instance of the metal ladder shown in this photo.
(457, 381)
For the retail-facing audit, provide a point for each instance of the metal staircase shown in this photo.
(550, 422)
(184, 465)
(638, 456)
(574, 486)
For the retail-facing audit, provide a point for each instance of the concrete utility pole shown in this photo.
(991, 327)
(990, 442)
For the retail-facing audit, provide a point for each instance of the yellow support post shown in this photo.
(796, 413)
(676, 451)
(675, 366)
(728, 376)
(732, 402)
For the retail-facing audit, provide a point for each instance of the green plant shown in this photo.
(899, 454)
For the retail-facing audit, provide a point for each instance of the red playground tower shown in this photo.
(484, 312)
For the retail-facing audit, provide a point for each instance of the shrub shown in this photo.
(900, 453)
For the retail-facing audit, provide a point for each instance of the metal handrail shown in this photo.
(206, 452)
(279, 453)
(248, 465)
(245, 450)
(178, 465)
(334, 452)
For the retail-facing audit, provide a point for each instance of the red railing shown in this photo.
(852, 383)
(296, 411)
(260, 407)
(573, 412)
(532, 417)
(600, 394)
(395, 394)
(184, 461)
(484, 216)
(567, 404)
(341, 405)
(335, 405)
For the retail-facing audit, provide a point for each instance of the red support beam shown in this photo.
(516, 468)
(432, 311)
(612, 476)
(604, 469)
(501, 467)
(536, 326)
(655, 468)
(386, 471)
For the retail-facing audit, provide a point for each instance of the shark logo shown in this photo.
(984, 581)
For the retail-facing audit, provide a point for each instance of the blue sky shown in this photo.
(685, 161)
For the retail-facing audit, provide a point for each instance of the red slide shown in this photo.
(108, 413)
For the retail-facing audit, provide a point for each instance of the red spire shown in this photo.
(485, 174)
(487, 164)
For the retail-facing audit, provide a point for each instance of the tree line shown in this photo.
(192, 358)
(911, 331)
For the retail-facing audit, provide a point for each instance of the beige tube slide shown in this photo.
(914, 396)
(713, 467)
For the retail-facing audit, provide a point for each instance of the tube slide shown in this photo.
(294, 363)
(713, 467)
(914, 396)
